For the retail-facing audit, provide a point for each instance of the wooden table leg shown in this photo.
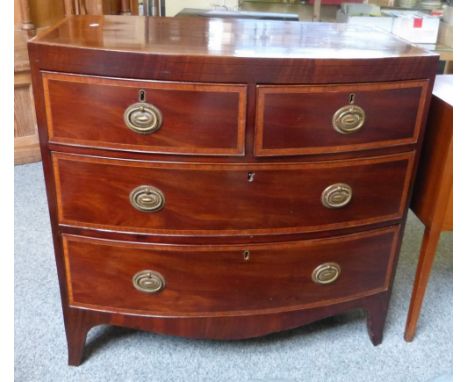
(26, 23)
(68, 7)
(426, 258)
(317, 5)
(125, 5)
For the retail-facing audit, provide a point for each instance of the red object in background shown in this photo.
(417, 22)
(335, 2)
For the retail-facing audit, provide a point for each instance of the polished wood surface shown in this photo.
(79, 321)
(218, 207)
(434, 181)
(238, 38)
(214, 50)
(213, 199)
(287, 124)
(273, 278)
(202, 119)
(433, 196)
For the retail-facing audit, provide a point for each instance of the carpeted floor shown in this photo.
(335, 349)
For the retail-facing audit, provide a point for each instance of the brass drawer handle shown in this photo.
(147, 198)
(337, 195)
(326, 273)
(349, 119)
(143, 118)
(148, 281)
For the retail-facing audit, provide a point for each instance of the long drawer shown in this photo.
(146, 116)
(184, 280)
(214, 199)
(304, 119)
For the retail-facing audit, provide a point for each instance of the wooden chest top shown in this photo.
(231, 49)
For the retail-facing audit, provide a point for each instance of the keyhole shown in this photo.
(250, 177)
(142, 95)
(351, 98)
(246, 254)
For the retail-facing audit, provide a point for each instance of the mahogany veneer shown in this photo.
(225, 185)
(204, 119)
(213, 199)
(223, 281)
(295, 120)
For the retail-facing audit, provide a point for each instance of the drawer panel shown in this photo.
(212, 279)
(195, 118)
(298, 120)
(217, 199)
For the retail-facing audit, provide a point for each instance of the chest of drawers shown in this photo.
(225, 178)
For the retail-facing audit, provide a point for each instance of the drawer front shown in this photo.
(184, 280)
(298, 120)
(215, 199)
(146, 116)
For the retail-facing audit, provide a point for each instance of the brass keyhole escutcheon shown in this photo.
(326, 273)
(143, 118)
(349, 119)
(148, 281)
(337, 195)
(147, 198)
(246, 255)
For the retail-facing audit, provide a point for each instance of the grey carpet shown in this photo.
(335, 349)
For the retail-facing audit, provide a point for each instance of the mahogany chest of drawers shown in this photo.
(225, 179)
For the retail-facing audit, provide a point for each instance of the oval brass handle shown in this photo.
(148, 281)
(147, 198)
(337, 195)
(143, 118)
(348, 119)
(326, 273)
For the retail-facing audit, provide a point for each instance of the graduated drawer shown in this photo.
(298, 120)
(183, 280)
(146, 116)
(214, 199)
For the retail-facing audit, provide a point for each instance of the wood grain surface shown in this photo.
(220, 281)
(204, 119)
(297, 120)
(230, 50)
(214, 199)
(204, 75)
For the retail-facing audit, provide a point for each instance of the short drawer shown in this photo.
(197, 280)
(214, 199)
(299, 120)
(145, 116)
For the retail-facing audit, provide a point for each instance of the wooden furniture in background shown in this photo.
(433, 195)
(32, 16)
(26, 138)
(25, 12)
(125, 7)
(196, 194)
(94, 7)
